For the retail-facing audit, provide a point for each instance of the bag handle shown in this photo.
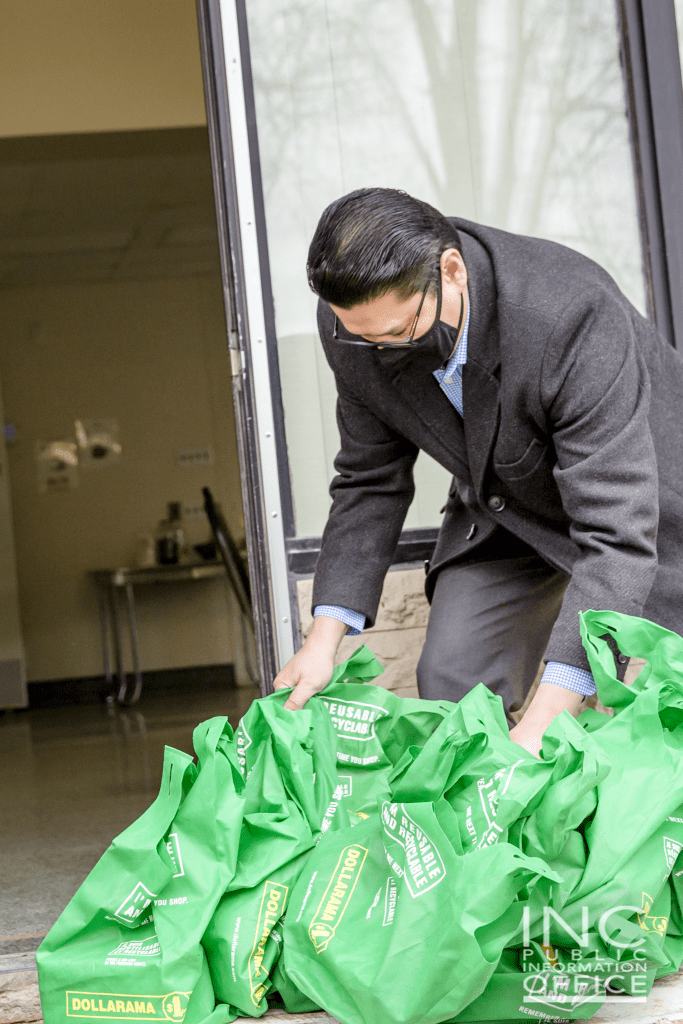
(216, 737)
(362, 667)
(206, 737)
(173, 776)
(636, 638)
(172, 790)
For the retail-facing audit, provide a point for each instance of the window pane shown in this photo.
(678, 4)
(509, 112)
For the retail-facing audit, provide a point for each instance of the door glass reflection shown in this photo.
(508, 112)
(678, 4)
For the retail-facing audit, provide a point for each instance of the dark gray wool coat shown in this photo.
(572, 440)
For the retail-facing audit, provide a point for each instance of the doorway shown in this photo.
(113, 328)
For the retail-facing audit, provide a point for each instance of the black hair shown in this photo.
(376, 240)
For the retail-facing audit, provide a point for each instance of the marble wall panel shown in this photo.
(398, 634)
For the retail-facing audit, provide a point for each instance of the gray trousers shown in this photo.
(489, 623)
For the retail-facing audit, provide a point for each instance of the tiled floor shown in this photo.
(72, 779)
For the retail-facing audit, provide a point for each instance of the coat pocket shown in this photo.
(525, 466)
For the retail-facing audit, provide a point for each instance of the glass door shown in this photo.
(507, 112)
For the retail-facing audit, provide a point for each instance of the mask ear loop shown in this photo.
(415, 342)
(439, 300)
(438, 306)
(439, 296)
(462, 314)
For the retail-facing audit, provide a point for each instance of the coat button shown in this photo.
(496, 503)
(622, 659)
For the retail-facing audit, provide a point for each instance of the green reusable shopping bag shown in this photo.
(635, 837)
(612, 829)
(284, 993)
(673, 938)
(552, 984)
(497, 789)
(548, 828)
(161, 878)
(303, 750)
(102, 958)
(356, 713)
(373, 728)
(291, 792)
(486, 778)
(494, 787)
(387, 925)
(206, 835)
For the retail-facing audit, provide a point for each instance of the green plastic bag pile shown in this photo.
(396, 861)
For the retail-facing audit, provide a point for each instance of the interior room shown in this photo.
(116, 400)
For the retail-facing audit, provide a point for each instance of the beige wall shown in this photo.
(99, 65)
(153, 356)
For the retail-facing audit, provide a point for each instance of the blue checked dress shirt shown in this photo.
(450, 382)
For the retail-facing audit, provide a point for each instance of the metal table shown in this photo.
(110, 583)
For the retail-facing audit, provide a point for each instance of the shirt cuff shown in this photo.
(354, 620)
(572, 678)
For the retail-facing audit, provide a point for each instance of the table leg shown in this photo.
(118, 645)
(105, 630)
(133, 627)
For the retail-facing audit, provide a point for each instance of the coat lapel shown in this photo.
(427, 402)
(481, 403)
(481, 373)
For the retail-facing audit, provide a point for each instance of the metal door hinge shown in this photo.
(236, 362)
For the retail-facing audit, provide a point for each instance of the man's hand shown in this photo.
(549, 700)
(310, 670)
(528, 737)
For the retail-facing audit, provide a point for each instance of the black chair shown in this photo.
(236, 573)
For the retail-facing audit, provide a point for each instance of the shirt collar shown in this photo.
(459, 357)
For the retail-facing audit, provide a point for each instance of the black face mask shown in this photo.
(440, 340)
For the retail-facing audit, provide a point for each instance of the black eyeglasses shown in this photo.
(409, 342)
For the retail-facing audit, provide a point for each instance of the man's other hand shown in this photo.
(548, 702)
(529, 737)
(310, 670)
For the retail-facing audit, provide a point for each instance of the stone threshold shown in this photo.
(20, 1002)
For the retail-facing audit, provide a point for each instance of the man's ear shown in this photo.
(453, 267)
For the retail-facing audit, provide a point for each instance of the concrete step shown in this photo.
(20, 1002)
(19, 999)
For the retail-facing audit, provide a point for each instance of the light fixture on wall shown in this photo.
(57, 463)
(98, 442)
